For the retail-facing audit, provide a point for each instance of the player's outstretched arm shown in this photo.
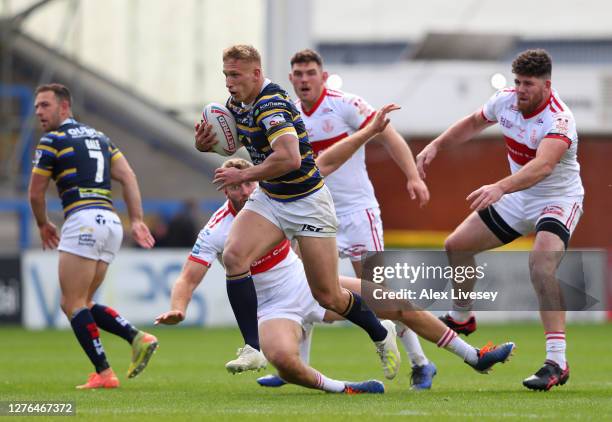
(284, 159)
(399, 150)
(549, 153)
(123, 173)
(36, 192)
(461, 131)
(182, 292)
(336, 155)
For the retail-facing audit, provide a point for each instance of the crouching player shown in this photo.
(286, 308)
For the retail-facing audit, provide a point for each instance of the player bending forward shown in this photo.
(287, 309)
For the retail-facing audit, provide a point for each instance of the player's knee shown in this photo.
(282, 360)
(327, 299)
(234, 260)
(65, 308)
(541, 270)
(453, 243)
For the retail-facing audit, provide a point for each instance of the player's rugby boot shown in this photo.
(388, 352)
(95, 380)
(547, 377)
(271, 381)
(364, 387)
(466, 327)
(143, 347)
(422, 376)
(490, 354)
(248, 359)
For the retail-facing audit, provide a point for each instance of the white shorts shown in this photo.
(92, 233)
(359, 233)
(523, 214)
(313, 215)
(286, 295)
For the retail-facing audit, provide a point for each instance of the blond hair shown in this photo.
(248, 53)
(239, 163)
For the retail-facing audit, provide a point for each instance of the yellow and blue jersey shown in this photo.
(273, 114)
(78, 158)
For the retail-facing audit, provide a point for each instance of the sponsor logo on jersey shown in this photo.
(273, 120)
(562, 125)
(505, 122)
(37, 155)
(79, 132)
(327, 126)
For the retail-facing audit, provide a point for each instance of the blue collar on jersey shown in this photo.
(68, 121)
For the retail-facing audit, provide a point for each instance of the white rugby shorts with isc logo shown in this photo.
(313, 215)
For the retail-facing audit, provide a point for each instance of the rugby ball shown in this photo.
(223, 126)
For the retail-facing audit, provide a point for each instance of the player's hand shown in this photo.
(418, 189)
(484, 196)
(227, 176)
(48, 235)
(204, 137)
(170, 318)
(380, 120)
(142, 235)
(425, 157)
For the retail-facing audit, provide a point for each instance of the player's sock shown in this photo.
(453, 343)
(87, 333)
(358, 313)
(328, 384)
(555, 347)
(305, 343)
(109, 320)
(412, 345)
(461, 311)
(243, 298)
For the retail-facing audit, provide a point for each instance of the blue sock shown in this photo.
(86, 331)
(243, 298)
(109, 320)
(358, 313)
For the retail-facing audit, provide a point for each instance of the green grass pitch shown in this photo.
(186, 380)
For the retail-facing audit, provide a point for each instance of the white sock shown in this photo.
(461, 313)
(306, 343)
(328, 384)
(555, 347)
(412, 344)
(451, 342)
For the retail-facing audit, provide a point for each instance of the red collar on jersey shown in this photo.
(231, 208)
(539, 109)
(316, 105)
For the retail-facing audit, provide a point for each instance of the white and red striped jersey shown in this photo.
(335, 116)
(523, 135)
(211, 241)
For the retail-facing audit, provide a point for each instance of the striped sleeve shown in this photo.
(114, 151)
(275, 117)
(45, 157)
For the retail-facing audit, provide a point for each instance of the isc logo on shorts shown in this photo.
(309, 228)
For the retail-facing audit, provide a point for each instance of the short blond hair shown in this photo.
(239, 163)
(248, 53)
